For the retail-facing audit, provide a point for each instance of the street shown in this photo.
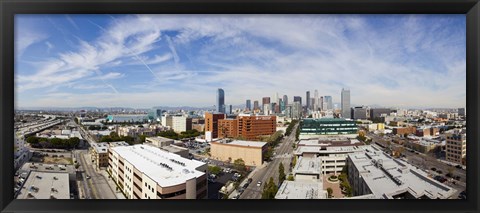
(284, 155)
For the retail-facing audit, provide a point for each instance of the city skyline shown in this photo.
(181, 60)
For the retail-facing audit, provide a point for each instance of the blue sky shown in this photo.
(180, 60)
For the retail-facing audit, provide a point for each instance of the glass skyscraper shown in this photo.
(220, 100)
(249, 105)
(346, 112)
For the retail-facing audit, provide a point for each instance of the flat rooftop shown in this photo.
(100, 148)
(243, 143)
(118, 143)
(340, 141)
(387, 177)
(329, 149)
(159, 139)
(45, 185)
(308, 166)
(301, 190)
(173, 148)
(165, 168)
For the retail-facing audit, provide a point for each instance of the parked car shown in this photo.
(458, 167)
(259, 183)
(434, 169)
(249, 180)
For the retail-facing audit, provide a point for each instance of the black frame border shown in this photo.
(8, 8)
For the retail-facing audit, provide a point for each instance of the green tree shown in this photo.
(142, 138)
(239, 165)
(329, 192)
(214, 170)
(32, 140)
(290, 177)
(281, 173)
(269, 189)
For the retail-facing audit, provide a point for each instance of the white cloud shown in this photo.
(252, 56)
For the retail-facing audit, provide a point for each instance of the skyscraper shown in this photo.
(255, 105)
(329, 103)
(317, 100)
(345, 103)
(308, 99)
(275, 98)
(220, 100)
(297, 99)
(321, 104)
(231, 111)
(249, 105)
(265, 100)
(285, 100)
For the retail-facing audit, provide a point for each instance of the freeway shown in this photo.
(283, 155)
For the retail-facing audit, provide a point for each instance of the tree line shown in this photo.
(38, 142)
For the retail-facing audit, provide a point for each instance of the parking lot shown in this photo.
(196, 147)
(220, 181)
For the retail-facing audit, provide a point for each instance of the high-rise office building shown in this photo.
(461, 111)
(265, 100)
(345, 103)
(316, 100)
(308, 99)
(321, 104)
(275, 98)
(220, 101)
(255, 105)
(359, 113)
(249, 105)
(282, 105)
(328, 101)
(297, 99)
(285, 100)
(231, 110)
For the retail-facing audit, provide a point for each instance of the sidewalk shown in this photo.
(112, 184)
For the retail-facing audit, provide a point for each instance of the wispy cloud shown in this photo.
(391, 60)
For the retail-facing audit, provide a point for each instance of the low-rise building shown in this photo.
(99, 153)
(159, 141)
(374, 172)
(456, 146)
(45, 185)
(251, 152)
(404, 130)
(308, 168)
(146, 172)
(327, 127)
(301, 189)
(127, 118)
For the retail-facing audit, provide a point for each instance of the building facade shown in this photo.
(345, 104)
(456, 147)
(211, 123)
(220, 101)
(249, 151)
(146, 172)
(327, 127)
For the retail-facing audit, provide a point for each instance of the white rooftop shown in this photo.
(301, 190)
(396, 176)
(329, 149)
(165, 168)
(45, 185)
(245, 143)
(308, 166)
(100, 147)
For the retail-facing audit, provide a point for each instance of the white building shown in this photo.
(181, 123)
(146, 172)
(45, 185)
(301, 189)
(374, 172)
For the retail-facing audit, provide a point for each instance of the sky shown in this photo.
(143, 61)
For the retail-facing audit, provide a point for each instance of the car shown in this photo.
(434, 169)
(456, 177)
(249, 180)
(241, 190)
(237, 196)
(458, 167)
(439, 172)
(259, 183)
(245, 185)
(88, 177)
